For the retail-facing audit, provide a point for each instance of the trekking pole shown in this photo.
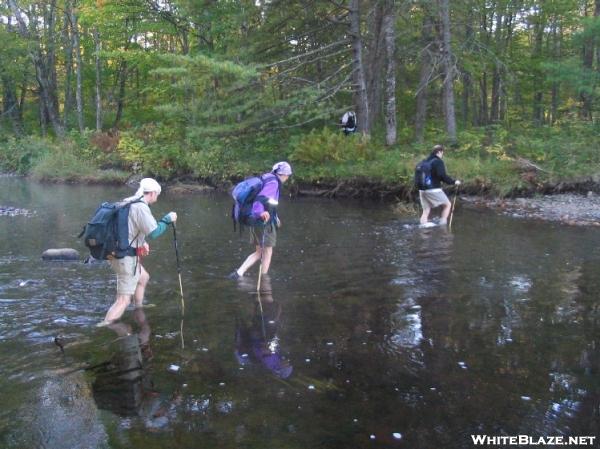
(178, 266)
(262, 250)
(453, 204)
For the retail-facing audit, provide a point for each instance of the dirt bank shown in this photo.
(576, 203)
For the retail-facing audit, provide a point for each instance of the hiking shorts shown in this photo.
(256, 235)
(128, 272)
(433, 198)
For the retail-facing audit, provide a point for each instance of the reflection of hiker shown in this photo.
(264, 214)
(429, 175)
(121, 384)
(348, 122)
(131, 275)
(258, 341)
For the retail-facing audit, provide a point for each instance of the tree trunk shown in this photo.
(483, 105)
(389, 31)
(47, 107)
(496, 74)
(556, 41)
(10, 105)
(424, 78)
(78, 71)
(68, 48)
(51, 58)
(467, 78)
(98, 46)
(375, 60)
(121, 94)
(448, 65)
(362, 103)
(588, 54)
(538, 95)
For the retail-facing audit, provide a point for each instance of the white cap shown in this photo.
(148, 185)
(282, 168)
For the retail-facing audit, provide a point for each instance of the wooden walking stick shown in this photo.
(453, 205)
(262, 250)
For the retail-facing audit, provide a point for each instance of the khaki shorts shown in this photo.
(433, 198)
(128, 271)
(256, 235)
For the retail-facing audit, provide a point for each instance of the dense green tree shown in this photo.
(249, 69)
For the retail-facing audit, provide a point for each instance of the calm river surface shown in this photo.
(369, 334)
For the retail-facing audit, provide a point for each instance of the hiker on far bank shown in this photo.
(262, 219)
(131, 275)
(348, 122)
(429, 175)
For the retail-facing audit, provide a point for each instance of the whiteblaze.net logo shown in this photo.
(526, 440)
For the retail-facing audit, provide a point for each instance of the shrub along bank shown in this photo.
(491, 160)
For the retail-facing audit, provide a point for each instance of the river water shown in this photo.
(368, 332)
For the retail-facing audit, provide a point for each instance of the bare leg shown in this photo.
(250, 260)
(425, 215)
(140, 289)
(116, 310)
(266, 259)
(445, 213)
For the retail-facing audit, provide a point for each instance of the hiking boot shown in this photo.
(233, 275)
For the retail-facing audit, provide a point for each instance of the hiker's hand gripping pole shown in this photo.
(178, 266)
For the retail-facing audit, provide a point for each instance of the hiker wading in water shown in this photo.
(131, 275)
(430, 191)
(264, 214)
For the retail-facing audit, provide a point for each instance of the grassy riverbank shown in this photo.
(490, 160)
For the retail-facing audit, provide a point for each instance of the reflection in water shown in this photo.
(423, 268)
(418, 338)
(257, 337)
(122, 384)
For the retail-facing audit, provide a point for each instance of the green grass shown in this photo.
(63, 165)
(485, 159)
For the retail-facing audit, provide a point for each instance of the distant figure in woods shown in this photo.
(262, 215)
(348, 122)
(429, 174)
(131, 275)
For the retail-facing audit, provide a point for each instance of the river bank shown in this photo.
(575, 203)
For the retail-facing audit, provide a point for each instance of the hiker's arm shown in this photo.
(269, 191)
(162, 225)
(441, 172)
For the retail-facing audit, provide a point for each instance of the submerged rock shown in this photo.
(60, 254)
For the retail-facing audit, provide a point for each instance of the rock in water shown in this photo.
(60, 254)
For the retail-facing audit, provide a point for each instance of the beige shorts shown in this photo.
(128, 271)
(433, 198)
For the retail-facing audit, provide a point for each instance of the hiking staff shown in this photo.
(262, 251)
(178, 266)
(453, 205)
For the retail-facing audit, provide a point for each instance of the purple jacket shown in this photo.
(270, 190)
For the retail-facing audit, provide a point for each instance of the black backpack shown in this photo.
(107, 233)
(423, 174)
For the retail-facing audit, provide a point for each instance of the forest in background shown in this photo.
(217, 89)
